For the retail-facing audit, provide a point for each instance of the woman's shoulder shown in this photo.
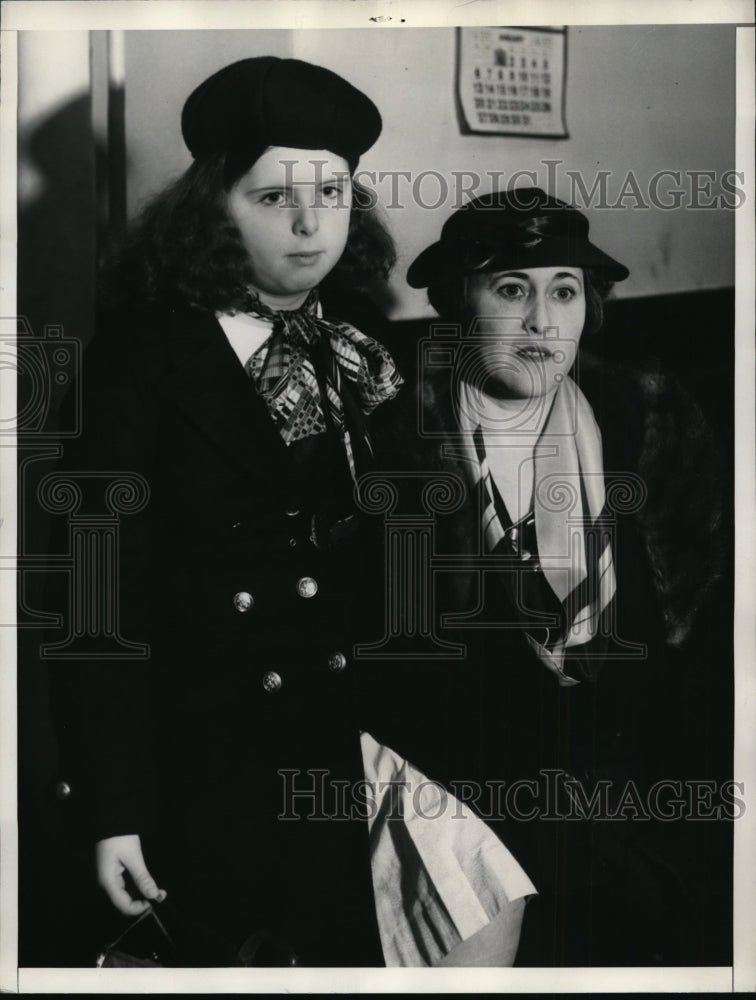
(649, 420)
(653, 428)
(642, 384)
(643, 406)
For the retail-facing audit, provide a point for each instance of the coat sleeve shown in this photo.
(103, 706)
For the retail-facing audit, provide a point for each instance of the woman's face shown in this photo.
(292, 209)
(528, 325)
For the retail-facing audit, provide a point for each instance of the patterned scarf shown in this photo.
(573, 535)
(292, 373)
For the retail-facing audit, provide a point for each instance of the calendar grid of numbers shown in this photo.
(511, 81)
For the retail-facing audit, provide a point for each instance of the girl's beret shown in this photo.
(267, 101)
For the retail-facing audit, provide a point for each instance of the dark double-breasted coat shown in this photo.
(203, 748)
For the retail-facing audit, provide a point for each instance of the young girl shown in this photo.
(208, 769)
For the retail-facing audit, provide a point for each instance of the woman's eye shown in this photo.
(510, 292)
(331, 191)
(565, 293)
(274, 198)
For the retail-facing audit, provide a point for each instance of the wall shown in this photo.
(162, 69)
(640, 99)
(56, 164)
(57, 237)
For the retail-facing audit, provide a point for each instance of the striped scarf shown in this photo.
(292, 383)
(572, 531)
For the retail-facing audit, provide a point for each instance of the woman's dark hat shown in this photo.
(267, 101)
(524, 227)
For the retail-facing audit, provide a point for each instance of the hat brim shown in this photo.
(445, 260)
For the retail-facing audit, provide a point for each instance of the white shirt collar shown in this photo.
(246, 333)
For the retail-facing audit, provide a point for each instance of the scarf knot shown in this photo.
(301, 369)
(300, 325)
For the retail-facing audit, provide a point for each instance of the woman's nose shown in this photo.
(305, 220)
(537, 318)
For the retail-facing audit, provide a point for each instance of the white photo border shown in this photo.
(54, 15)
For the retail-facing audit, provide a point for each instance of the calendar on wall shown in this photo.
(511, 81)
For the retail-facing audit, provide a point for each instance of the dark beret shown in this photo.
(523, 227)
(267, 101)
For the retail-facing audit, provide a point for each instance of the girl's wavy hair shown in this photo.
(449, 299)
(184, 249)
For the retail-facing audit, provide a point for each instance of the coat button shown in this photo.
(63, 791)
(243, 601)
(271, 681)
(337, 662)
(307, 587)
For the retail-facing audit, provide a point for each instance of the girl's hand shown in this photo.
(113, 857)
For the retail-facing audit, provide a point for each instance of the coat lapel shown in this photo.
(210, 387)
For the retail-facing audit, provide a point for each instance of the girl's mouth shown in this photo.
(306, 256)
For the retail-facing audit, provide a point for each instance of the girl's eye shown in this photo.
(274, 198)
(331, 191)
(565, 293)
(510, 291)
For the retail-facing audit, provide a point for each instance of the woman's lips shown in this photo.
(534, 352)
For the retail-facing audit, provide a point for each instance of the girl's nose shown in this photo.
(305, 220)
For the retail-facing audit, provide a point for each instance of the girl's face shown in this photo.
(292, 209)
(528, 328)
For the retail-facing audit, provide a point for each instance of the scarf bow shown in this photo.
(307, 358)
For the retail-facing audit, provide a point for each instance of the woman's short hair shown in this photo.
(449, 300)
(184, 249)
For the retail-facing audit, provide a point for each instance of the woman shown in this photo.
(584, 549)
(217, 379)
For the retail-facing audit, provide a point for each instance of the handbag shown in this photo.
(166, 936)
